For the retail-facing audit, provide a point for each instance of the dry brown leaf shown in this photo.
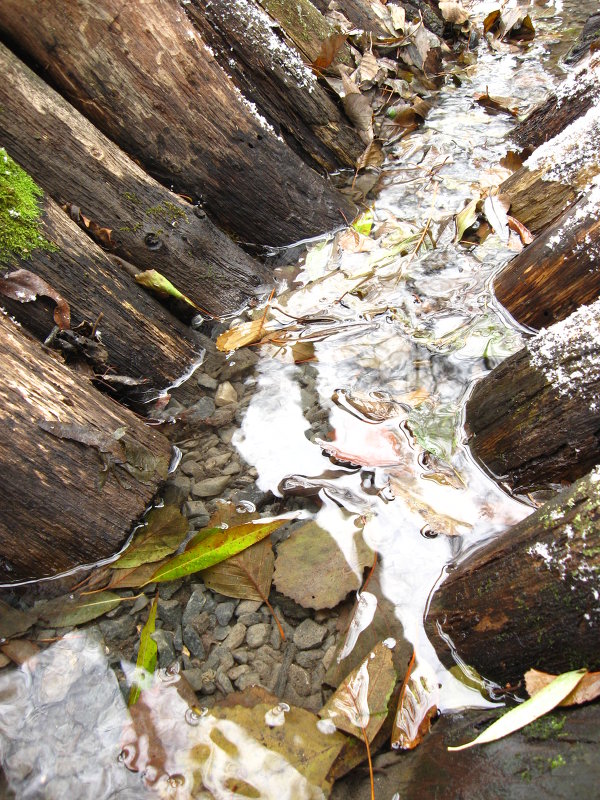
(372, 156)
(497, 105)
(398, 15)
(352, 241)
(511, 161)
(26, 286)
(454, 13)
(357, 108)
(525, 234)
(369, 67)
(330, 47)
(247, 575)
(241, 336)
(586, 690)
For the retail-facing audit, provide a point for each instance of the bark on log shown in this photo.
(529, 598)
(150, 226)
(54, 514)
(271, 74)
(574, 98)
(535, 419)
(143, 340)
(149, 82)
(559, 271)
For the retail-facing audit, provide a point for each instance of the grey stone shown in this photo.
(224, 613)
(210, 487)
(329, 656)
(308, 658)
(170, 612)
(221, 632)
(316, 678)
(198, 677)
(139, 604)
(207, 382)
(210, 687)
(264, 668)
(250, 619)
(247, 607)
(299, 680)
(239, 363)
(290, 608)
(118, 629)
(236, 636)
(202, 409)
(247, 680)
(195, 605)
(176, 489)
(257, 635)
(227, 434)
(241, 655)
(193, 642)
(166, 648)
(193, 469)
(196, 512)
(309, 634)
(223, 682)
(225, 395)
(168, 589)
(267, 653)
(225, 658)
(232, 469)
(178, 639)
(236, 672)
(314, 702)
(216, 462)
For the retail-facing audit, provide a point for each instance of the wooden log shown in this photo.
(534, 420)
(558, 272)
(143, 75)
(579, 92)
(151, 227)
(141, 339)
(271, 74)
(55, 516)
(364, 14)
(528, 599)
(587, 41)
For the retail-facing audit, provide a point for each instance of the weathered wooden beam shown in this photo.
(528, 599)
(558, 272)
(56, 513)
(143, 75)
(534, 420)
(150, 226)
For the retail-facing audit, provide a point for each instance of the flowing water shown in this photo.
(370, 419)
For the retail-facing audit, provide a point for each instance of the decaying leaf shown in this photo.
(525, 234)
(511, 161)
(541, 703)
(13, 621)
(587, 689)
(416, 708)
(313, 571)
(241, 335)
(157, 283)
(26, 286)
(465, 219)
(372, 156)
(133, 577)
(497, 105)
(358, 108)
(63, 612)
(330, 47)
(453, 12)
(215, 546)
(361, 702)
(103, 236)
(495, 209)
(146, 658)
(369, 67)
(247, 575)
(164, 530)
(513, 24)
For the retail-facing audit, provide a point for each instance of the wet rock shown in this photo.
(227, 434)
(222, 681)
(224, 613)
(176, 489)
(169, 611)
(196, 512)
(139, 605)
(250, 619)
(247, 680)
(257, 635)
(194, 607)
(309, 658)
(232, 469)
(217, 462)
(241, 655)
(222, 418)
(312, 702)
(193, 642)
(210, 487)
(317, 676)
(242, 361)
(206, 382)
(194, 471)
(289, 651)
(289, 608)
(309, 635)
(166, 648)
(198, 678)
(236, 672)
(204, 408)
(167, 590)
(299, 680)
(225, 395)
(115, 630)
(247, 607)
(252, 494)
(236, 636)
(329, 656)
(178, 639)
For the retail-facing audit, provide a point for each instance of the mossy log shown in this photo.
(534, 420)
(139, 338)
(73, 488)
(529, 598)
(150, 226)
(559, 271)
(271, 73)
(577, 94)
(143, 75)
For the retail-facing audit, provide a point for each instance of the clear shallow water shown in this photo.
(400, 341)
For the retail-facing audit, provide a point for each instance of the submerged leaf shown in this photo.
(146, 658)
(586, 690)
(247, 575)
(13, 621)
(363, 224)
(63, 612)
(465, 219)
(216, 545)
(164, 530)
(416, 708)
(26, 286)
(538, 705)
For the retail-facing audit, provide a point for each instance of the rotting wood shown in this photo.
(271, 74)
(363, 13)
(55, 515)
(528, 598)
(143, 75)
(533, 421)
(142, 340)
(559, 271)
(150, 226)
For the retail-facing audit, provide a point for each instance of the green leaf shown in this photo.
(162, 534)
(153, 280)
(147, 655)
(216, 546)
(465, 218)
(63, 612)
(364, 223)
(538, 705)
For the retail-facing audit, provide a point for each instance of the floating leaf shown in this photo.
(247, 575)
(216, 546)
(313, 571)
(241, 335)
(586, 690)
(538, 705)
(363, 224)
(146, 658)
(153, 280)
(495, 209)
(64, 612)
(26, 286)
(416, 709)
(465, 219)
(330, 47)
(361, 702)
(161, 535)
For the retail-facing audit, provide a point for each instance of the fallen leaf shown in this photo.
(372, 156)
(312, 570)
(101, 235)
(134, 577)
(465, 219)
(538, 705)
(330, 47)
(497, 105)
(357, 107)
(361, 702)
(13, 621)
(26, 286)
(247, 575)
(146, 657)
(216, 545)
(157, 283)
(368, 67)
(525, 234)
(416, 708)
(495, 208)
(352, 242)
(454, 13)
(64, 612)
(19, 650)
(398, 15)
(491, 19)
(241, 335)
(511, 161)
(163, 531)
(586, 690)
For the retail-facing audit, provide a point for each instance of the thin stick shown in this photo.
(424, 232)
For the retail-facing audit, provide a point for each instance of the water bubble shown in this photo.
(170, 674)
(390, 643)
(395, 745)
(194, 714)
(275, 717)
(175, 781)
(326, 726)
(429, 533)
(127, 757)
(245, 507)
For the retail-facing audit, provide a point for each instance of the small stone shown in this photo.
(236, 636)
(194, 607)
(242, 361)
(225, 395)
(224, 613)
(316, 678)
(206, 382)
(210, 487)
(309, 635)
(248, 607)
(329, 656)
(178, 639)
(166, 648)
(299, 680)
(169, 611)
(241, 655)
(193, 642)
(223, 682)
(264, 668)
(308, 658)
(202, 409)
(192, 469)
(196, 512)
(176, 489)
(232, 469)
(225, 658)
(247, 680)
(268, 654)
(210, 687)
(257, 635)
(167, 590)
(236, 672)
(313, 702)
(221, 632)
(197, 677)
(250, 619)
(139, 604)
(227, 434)
(115, 630)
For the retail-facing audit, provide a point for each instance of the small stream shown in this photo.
(371, 420)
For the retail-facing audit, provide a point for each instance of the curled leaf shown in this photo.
(26, 286)
(241, 335)
(330, 47)
(587, 689)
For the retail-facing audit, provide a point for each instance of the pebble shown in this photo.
(193, 642)
(210, 487)
(224, 613)
(220, 633)
(227, 434)
(167, 590)
(247, 680)
(193, 470)
(308, 658)
(250, 619)
(139, 605)
(247, 607)
(241, 655)
(207, 382)
(170, 612)
(194, 607)
(118, 629)
(204, 408)
(329, 656)
(197, 677)
(309, 635)
(223, 682)
(236, 672)
(166, 649)
(299, 680)
(225, 395)
(176, 489)
(196, 512)
(232, 469)
(236, 636)
(241, 362)
(257, 635)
